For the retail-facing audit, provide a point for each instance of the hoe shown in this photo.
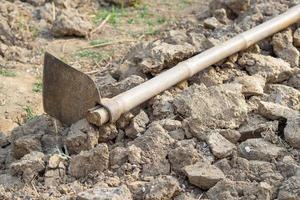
(70, 95)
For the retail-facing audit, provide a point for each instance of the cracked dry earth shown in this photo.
(230, 132)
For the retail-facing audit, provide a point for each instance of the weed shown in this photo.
(7, 73)
(63, 155)
(144, 12)
(86, 54)
(34, 31)
(131, 21)
(95, 56)
(148, 17)
(150, 31)
(21, 23)
(183, 4)
(37, 87)
(115, 15)
(137, 4)
(149, 22)
(29, 113)
(161, 20)
(98, 42)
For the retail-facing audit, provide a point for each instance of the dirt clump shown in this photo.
(283, 95)
(203, 175)
(232, 136)
(229, 132)
(291, 132)
(227, 189)
(26, 144)
(259, 149)
(229, 108)
(273, 69)
(211, 23)
(155, 144)
(137, 125)
(3, 140)
(153, 57)
(290, 188)
(82, 136)
(163, 107)
(163, 187)
(294, 81)
(275, 111)
(255, 125)
(95, 159)
(8, 181)
(174, 128)
(183, 155)
(55, 170)
(117, 193)
(220, 146)
(29, 165)
(252, 85)
(107, 132)
(70, 23)
(297, 38)
(114, 88)
(235, 6)
(224, 189)
(284, 48)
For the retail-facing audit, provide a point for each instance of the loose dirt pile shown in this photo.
(230, 132)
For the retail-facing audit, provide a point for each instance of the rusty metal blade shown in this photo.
(67, 92)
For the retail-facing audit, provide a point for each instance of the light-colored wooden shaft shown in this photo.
(113, 108)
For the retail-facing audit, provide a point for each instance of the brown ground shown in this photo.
(125, 28)
(229, 132)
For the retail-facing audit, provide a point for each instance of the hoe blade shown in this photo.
(67, 92)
